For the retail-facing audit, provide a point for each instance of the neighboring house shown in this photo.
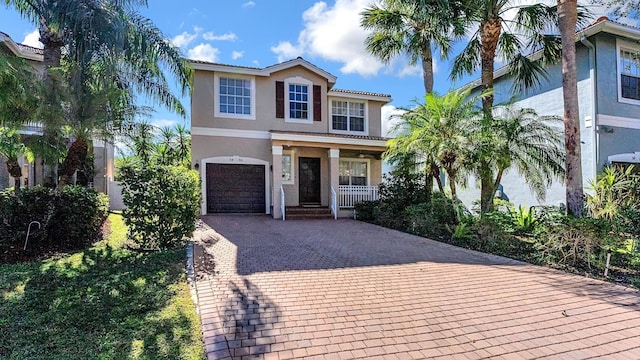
(282, 136)
(607, 55)
(36, 172)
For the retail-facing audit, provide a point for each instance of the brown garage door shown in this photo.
(235, 188)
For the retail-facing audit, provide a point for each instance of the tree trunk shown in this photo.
(489, 36)
(567, 13)
(14, 169)
(427, 68)
(435, 172)
(76, 156)
(53, 43)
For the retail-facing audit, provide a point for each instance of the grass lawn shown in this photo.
(105, 302)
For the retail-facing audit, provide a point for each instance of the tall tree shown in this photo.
(414, 29)
(567, 20)
(12, 148)
(510, 39)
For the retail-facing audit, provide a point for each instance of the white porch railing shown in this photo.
(349, 195)
(334, 203)
(282, 201)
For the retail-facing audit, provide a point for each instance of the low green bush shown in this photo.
(67, 219)
(433, 219)
(365, 211)
(162, 204)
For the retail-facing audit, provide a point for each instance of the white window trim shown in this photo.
(298, 81)
(349, 132)
(368, 161)
(293, 167)
(629, 46)
(216, 96)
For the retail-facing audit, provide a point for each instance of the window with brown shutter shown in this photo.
(280, 99)
(317, 103)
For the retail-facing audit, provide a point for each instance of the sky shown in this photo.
(260, 33)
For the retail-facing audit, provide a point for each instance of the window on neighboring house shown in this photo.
(347, 116)
(630, 74)
(287, 168)
(235, 97)
(353, 172)
(298, 101)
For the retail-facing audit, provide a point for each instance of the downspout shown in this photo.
(594, 103)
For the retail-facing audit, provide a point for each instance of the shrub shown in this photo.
(365, 211)
(433, 219)
(162, 203)
(68, 219)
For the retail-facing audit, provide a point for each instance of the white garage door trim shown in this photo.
(239, 160)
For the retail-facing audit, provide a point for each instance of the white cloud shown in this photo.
(334, 33)
(256, 63)
(249, 4)
(388, 114)
(204, 52)
(183, 40)
(237, 54)
(163, 123)
(33, 39)
(224, 37)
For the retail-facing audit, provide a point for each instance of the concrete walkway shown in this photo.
(327, 289)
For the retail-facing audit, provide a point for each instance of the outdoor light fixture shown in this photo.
(196, 166)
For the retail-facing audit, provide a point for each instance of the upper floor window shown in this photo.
(348, 116)
(630, 74)
(299, 97)
(298, 101)
(234, 96)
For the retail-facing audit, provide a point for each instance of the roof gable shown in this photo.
(21, 50)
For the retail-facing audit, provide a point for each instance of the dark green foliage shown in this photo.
(68, 219)
(366, 210)
(433, 219)
(162, 203)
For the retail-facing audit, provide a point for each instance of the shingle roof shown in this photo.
(346, 136)
(356, 92)
(221, 64)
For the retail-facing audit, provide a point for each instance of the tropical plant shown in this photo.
(12, 148)
(615, 189)
(498, 36)
(442, 131)
(414, 29)
(524, 218)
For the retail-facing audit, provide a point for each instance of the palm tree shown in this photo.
(12, 148)
(415, 29)
(441, 130)
(497, 36)
(568, 17)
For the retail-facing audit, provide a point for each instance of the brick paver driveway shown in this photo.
(326, 289)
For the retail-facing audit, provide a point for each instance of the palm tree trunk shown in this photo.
(487, 191)
(435, 173)
(13, 168)
(567, 12)
(427, 67)
(76, 156)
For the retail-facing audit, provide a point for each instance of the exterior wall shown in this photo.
(375, 118)
(618, 141)
(4, 174)
(291, 190)
(103, 156)
(203, 147)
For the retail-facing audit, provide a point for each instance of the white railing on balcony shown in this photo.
(349, 195)
(282, 201)
(334, 203)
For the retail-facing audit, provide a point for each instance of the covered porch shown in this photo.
(324, 171)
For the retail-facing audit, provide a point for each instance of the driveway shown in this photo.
(327, 289)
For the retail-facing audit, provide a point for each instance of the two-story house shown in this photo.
(37, 172)
(608, 66)
(273, 138)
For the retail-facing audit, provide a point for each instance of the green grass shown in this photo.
(105, 302)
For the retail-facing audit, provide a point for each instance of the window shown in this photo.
(235, 96)
(628, 72)
(348, 116)
(287, 168)
(353, 172)
(298, 101)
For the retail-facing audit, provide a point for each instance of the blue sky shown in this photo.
(264, 32)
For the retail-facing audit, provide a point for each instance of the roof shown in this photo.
(602, 24)
(330, 135)
(360, 94)
(247, 70)
(21, 50)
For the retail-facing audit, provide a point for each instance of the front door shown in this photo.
(309, 180)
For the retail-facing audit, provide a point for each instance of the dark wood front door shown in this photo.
(309, 169)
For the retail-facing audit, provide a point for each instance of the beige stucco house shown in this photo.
(269, 139)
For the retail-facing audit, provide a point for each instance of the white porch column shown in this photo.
(276, 173)
(334, 168)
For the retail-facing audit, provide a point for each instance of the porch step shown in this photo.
(299, 213)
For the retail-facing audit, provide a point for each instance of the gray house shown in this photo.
(608, 64)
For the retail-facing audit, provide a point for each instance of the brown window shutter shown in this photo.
(317, 103)
(280, 99)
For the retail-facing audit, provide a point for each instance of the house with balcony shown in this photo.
(281, 139)
(37, 172)
(608, 67)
